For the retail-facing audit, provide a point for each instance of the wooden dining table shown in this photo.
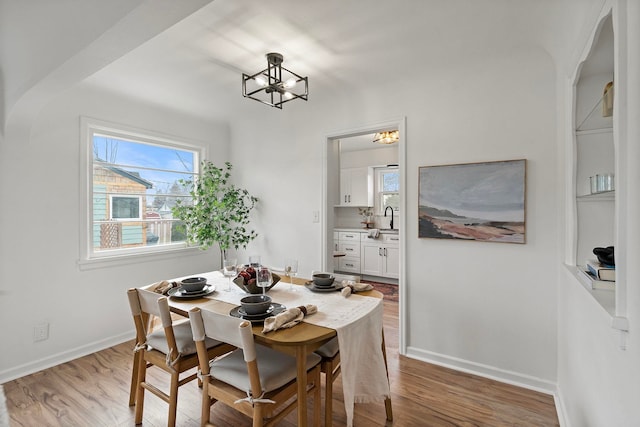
(298, 341)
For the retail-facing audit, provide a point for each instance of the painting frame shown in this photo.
(483, 201)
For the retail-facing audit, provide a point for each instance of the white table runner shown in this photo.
(358, 323)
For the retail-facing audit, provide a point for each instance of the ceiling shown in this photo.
(196, 65)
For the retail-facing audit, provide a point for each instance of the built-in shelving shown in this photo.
(605, 298)
(602, 196)
(595, 154)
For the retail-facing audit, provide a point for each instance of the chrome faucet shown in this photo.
(385, 214)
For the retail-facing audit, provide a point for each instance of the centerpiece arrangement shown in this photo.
(247, 281)
(220, 211)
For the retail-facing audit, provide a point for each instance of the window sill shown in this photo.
(135, 258)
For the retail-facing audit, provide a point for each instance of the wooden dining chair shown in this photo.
(255, 380)
(171, 349)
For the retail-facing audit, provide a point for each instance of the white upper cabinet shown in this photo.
(356, 187)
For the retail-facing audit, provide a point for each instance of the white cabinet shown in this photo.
(349, 243)
(356, 187)
(381, 257)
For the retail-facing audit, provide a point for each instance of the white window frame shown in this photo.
(88, 258)
(379, 194)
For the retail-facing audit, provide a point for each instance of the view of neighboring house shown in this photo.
(119, 205)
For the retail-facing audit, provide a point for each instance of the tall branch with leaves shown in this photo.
(220, 211)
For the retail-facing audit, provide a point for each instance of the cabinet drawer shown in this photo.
(351, 265)
(351, 249)
(349, 236)
(391, 238)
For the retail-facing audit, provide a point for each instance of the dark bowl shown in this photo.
(323, 279)
(193, 284)
(256, 304)
(253, 288)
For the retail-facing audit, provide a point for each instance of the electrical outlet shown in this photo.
(316, 216)
(40, 332)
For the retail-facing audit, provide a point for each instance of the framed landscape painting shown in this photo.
(473, 201)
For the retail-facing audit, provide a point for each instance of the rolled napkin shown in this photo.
(349, 287)
(163, 287)
(288, 318)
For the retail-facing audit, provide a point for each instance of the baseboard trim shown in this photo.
(561, 409)
(63, 357)
(486, 371)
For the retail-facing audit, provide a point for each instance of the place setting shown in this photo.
(323, 282)
(257, 307)
(192, 288)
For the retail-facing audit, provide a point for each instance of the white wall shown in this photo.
(40, 280)
(479, 306)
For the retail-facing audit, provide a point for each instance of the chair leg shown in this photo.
(387, 401)
(134, 378)
(328, 394)
(205, 413)
(173, 399)
(258, 415)
(142, 372)
(317, 398)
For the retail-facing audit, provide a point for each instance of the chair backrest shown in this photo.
(144, 302)
(231, 330)
(224, 328)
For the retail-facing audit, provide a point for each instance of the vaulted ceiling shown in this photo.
(195, 65)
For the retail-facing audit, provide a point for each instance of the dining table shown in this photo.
(336, 316)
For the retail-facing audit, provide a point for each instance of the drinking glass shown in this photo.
(290, 270)
(263, 278)
(229, 267)
(254, 261)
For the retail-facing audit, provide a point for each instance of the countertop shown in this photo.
(364, 230)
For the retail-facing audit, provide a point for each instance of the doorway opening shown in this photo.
(356, 198)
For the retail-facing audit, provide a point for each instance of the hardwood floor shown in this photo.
(93, 391)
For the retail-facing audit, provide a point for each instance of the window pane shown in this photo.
(125, 207)
(390, 181)
(135, 185)
(391, 199)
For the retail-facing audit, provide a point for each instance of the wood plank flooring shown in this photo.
(93, 391)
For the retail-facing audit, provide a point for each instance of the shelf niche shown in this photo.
(595, 214)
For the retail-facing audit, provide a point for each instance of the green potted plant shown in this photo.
(220, 211)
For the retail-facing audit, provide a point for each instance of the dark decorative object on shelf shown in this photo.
(605, 255)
